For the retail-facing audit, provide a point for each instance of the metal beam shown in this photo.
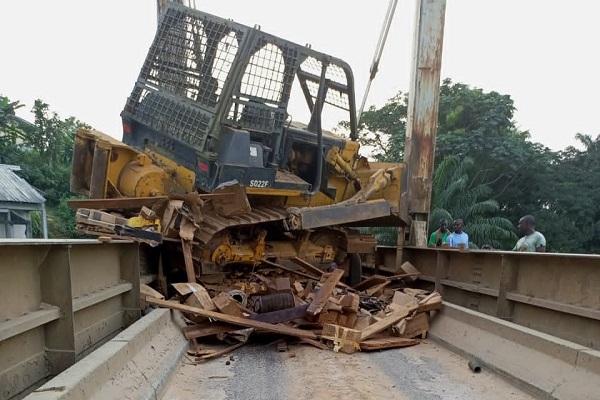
(79, 303)
(27, 322)
(423, 114)
(553, 293)
(61, 299)
(44, 221)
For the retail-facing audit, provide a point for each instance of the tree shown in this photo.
(52, 137)
(44, 151)
(383, 130)
(47, 164)
(471, 123)
(10, 133)
(457, 195)
(474, 124)
(62, 223)
(480, 125)
(569, 215)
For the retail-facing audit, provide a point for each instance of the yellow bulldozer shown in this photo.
(214, 169)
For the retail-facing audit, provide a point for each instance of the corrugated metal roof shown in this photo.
(14, 189)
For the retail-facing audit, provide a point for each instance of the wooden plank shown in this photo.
(123, 203)
(402, 276)
(402, 299)
(386, 343)
(291, 271)
(417, 325)
(408, 269)
(146, 290)
(128, 203)
(197, 295)
(207, 329)
(350, 302)
(307, 266)
(284, 330)
(419, 293)
(314, 343)
(322, 296)
(344, 339)
(377, 288)
(388, 321)
(200, 298)
(299, 289)
(189, 262)
(162, 278)
(328, 317)
(184, 288)
(370, 282)
(302, 274)
(220, 352)
(431, 302)
(227, 305)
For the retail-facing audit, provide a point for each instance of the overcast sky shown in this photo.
(83, 57)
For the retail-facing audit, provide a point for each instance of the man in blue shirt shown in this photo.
(458, 239)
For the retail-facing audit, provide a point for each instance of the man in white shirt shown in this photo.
(458, 238)
(532, 240)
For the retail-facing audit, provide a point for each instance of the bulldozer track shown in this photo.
(212, 224)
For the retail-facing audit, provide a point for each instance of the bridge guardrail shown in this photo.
(61, 299)
(558, 294)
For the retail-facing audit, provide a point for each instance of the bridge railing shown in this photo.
(61, 299)
(558, 294)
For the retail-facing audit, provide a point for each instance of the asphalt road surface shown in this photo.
(427, 371)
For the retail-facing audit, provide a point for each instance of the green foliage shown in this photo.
(36, 224)
(63, 223)
(384, 130)
(10, 133)
(44, 152)
(501, 173)
(569, 212)
(457, 195)
(46, 164)
(386, 236)
(477, 124)
(52, 137)
(52, 181)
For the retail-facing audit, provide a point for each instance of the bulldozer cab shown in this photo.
(213, 95)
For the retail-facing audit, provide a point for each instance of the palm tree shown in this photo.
(455, 196)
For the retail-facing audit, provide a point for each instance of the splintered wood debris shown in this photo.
(312, 307)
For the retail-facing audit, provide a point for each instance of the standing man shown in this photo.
(438, 237)
(532, 240)
(458, 239)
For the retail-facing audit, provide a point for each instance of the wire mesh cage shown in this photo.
(186, 69)
(203, 70)
(261, 100)
(337, 95)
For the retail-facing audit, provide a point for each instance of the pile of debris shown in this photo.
(310, 306)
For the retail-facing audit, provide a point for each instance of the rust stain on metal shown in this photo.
(423, 105)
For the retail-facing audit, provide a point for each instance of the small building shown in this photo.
(17, 200)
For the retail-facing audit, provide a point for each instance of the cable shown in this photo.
(385, 28)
